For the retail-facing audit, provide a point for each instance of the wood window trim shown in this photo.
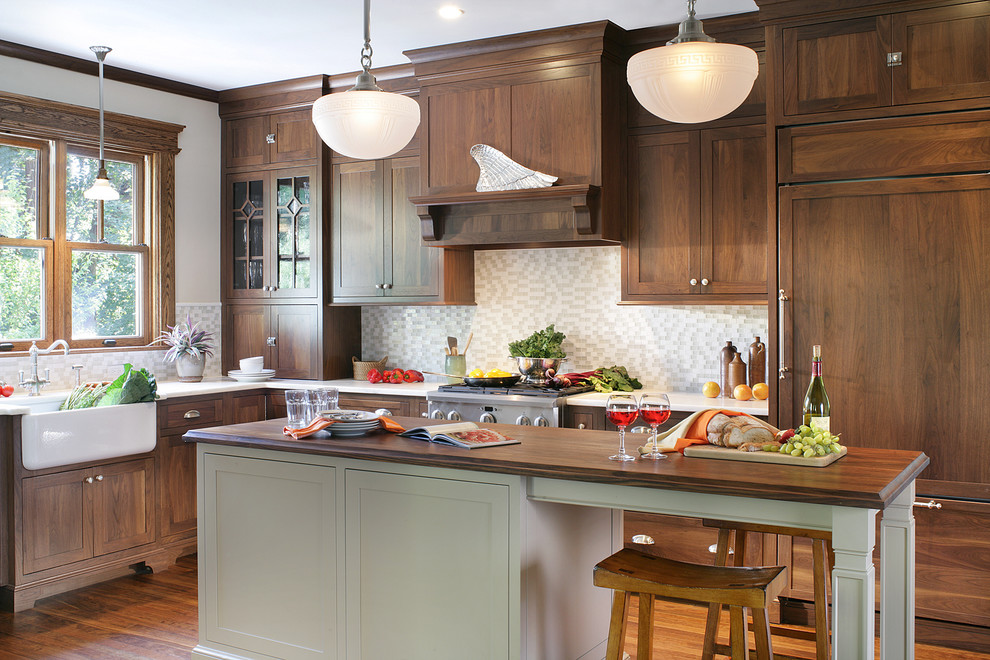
(24, 117)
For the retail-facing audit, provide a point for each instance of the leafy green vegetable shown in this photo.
(541, 344)
(609, 379)
(132, 386)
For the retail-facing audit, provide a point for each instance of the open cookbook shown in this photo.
(465, 434)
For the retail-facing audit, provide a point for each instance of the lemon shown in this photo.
(711, 389)
(742, 393)
(761, 391)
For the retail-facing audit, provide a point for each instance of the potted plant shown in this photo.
(188, 348)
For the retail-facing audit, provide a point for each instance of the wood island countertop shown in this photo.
(864, 478)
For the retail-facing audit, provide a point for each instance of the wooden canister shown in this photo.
(757, 362)
(724, 359)
(737, 374)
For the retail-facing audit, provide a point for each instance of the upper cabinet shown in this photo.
(888, 60)
(698, 222)
(269, 235)
(552, 101)
(378, 255)
(281, 137)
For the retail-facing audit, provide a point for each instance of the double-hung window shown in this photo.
(97, 273)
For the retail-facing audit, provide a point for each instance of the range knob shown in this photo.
(437, 414)
(522, 420)
(454, 416)
(487, 418)
(542, 421)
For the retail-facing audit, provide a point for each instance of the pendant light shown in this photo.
(692, 79)
(366, 122)
(101, 189)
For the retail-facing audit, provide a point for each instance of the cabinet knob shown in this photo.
(387, 286)
(88, 480)
(704, 281)
(895, 59)
(582, 425)
(270, 138)
(273, 288)
(191, 414)
(99, 477)
(693, 282)
(379, 286)
(270, 341)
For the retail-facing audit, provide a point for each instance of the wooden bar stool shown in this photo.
(630, 572)
(820, 540)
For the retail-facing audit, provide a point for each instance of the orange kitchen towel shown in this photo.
(692, 431)
(320, 423)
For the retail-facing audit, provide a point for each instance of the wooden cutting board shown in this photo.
(731, 454)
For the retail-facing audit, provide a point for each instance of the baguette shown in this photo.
(725, 431)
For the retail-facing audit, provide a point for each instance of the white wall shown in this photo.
(197, 167)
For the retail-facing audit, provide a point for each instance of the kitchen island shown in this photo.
(382, 546)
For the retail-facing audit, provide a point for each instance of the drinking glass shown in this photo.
(655, 410)
(324, 398)
(622, 410)
(299, 407)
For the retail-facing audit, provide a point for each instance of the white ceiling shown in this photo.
(220, 44)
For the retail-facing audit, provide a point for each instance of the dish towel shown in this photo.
(320, 423)
(694, 430)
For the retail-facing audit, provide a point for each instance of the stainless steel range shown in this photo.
(526, 405)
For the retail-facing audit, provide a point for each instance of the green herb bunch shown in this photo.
(541, 344)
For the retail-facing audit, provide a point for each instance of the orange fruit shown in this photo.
(711, 389)
(761, 391)
(742, 393)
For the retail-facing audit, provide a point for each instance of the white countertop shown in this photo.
(680, 401)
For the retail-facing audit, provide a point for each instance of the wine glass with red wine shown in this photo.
(622, 410)
(655, 410)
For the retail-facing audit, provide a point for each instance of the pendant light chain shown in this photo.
(367, 51)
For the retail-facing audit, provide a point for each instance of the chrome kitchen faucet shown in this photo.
(35, 383)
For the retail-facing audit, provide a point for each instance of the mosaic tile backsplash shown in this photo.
(668, 347)
(107, 365)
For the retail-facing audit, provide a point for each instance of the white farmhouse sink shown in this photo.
(50, 437)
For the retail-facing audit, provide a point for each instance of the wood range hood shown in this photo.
(553, 101)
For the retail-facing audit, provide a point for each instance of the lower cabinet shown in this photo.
(593, 417)
(79, 514)
(315, 557)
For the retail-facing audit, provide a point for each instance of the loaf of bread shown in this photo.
(726, 431)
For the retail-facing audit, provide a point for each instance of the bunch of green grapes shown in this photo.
(809, 442)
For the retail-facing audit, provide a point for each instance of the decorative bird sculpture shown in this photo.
(499, 172)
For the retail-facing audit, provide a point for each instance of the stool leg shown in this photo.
(617, 625)
(738, 633)
(715, 609)
(644, 643)
(761, 629)
(819, 565)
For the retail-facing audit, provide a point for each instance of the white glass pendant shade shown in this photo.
(366, 124)
(102, 189)
(693, 81)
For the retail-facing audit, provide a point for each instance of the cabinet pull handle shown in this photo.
(895, 59)
(270, 341)
(88, 480)
(270, 138)
(713, 548)
(704, 281)
(99, 477)
(693, 282)
(930, 504)
(782, 369)
(191, 414)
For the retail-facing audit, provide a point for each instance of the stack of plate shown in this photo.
(251, 376)
(350, 423)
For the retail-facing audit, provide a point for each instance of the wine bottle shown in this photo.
(816, 407)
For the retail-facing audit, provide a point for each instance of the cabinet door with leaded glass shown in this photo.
(244, 236)
(293, 272)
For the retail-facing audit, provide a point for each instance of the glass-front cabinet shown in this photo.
(269, 234)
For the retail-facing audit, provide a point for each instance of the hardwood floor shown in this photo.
(154, 617)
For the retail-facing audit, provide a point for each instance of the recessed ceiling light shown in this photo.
(450, 12)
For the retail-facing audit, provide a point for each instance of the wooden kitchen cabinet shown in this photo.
(593, 417)
(270, 234)
(76, 515)
(378, 254)
(279, 137)
(697, 227)
(892, 59)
